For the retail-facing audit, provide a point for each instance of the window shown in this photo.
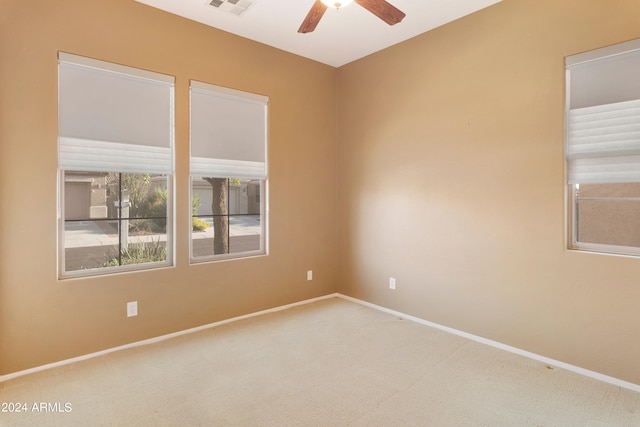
(228, 173)
(115, 157)
(603, 149)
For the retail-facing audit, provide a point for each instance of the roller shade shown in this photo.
(604, 143)
(113, 118)
(603, 115)
(228, 133)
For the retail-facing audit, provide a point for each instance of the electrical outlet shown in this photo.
(310, 275)
(132, 308)
(392, 283)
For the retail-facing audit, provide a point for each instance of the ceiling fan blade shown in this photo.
(383, 10)
(313, 17)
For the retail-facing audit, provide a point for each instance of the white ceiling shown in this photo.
(341, 36)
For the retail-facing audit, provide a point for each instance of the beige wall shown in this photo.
(43, 320)
(450, 178)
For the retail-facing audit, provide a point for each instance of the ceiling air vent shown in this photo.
(236, 7)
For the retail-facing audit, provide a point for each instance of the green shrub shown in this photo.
(157, 207)
(139, 253)
(198, 224)
(196, 201)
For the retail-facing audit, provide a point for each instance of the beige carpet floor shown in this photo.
(328, 363)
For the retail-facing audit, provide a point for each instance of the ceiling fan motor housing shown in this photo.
(381, 8)
(336, 4)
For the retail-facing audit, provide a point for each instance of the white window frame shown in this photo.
(601, 248)
(584, 59)
(72, 163)
(249, 170)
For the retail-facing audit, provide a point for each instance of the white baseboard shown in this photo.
(543, 359)
(158, 339)
(501, 346)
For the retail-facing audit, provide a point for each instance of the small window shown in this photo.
(228, 173)
(603, 149)
(116, 168)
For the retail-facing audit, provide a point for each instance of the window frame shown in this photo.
(599, 248)
(126, 72)
(571, 198)
(263, 188)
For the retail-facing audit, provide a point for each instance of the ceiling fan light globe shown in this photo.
(337, 4)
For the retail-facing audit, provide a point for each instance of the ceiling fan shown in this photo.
(383, 10)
